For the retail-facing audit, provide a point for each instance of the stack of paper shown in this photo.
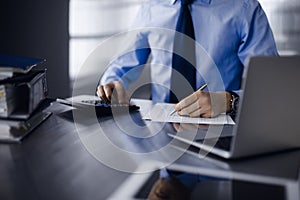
(7, 102)
(5, 75)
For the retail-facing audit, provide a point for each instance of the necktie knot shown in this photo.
(186, 2)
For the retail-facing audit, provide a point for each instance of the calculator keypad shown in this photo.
(105, 108)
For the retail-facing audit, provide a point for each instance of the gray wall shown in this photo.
(284, 18)
(39, 28)
(91, 23)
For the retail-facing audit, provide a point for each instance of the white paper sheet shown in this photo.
(161, 113)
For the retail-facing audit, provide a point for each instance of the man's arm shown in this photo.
(127, 67)
(256, 34)
(125, 70)
(256, 39)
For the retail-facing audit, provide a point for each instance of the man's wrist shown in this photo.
(232, 102)
(228, 102)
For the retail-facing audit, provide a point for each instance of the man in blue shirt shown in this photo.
(227, 31)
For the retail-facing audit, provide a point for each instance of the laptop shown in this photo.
(268, 117)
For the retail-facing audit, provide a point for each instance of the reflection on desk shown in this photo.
(185, 186)
(175, 183)
(54, 162)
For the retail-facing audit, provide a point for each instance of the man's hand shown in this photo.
(204, 104)
(179, 127)
(113, 92)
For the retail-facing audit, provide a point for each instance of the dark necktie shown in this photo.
(186, 48)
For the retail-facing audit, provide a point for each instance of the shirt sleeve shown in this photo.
(129, 66)
(256, 34)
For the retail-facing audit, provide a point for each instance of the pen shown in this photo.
(201, 88)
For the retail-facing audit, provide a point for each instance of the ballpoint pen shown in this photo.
(200, 89)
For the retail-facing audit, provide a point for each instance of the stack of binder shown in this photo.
(22, 90)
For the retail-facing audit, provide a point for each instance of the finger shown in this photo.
(203, 126)
(176, 126)
(108, 89)
(186, 101)
(201, 101)
(207, 115)
(205, 108)
(189, 109)
(121, 94)
(189, 127)
(197, 113)
(202, 112)
(101, 93)
(98, 91)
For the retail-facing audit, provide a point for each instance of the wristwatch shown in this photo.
(234, 100)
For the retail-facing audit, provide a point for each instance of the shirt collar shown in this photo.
(205, 2)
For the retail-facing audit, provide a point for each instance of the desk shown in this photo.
(54, 163)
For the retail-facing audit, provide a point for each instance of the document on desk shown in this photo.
(161, 113)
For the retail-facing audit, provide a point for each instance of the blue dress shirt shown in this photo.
(228, 31)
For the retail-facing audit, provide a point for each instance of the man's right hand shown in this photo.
(113, 92)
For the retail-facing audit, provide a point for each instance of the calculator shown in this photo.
(101, 108)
